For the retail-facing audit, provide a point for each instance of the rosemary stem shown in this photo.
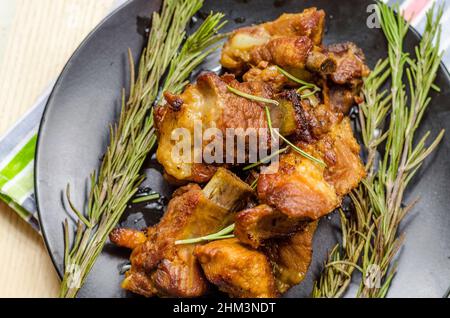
(221, 235)
(146, 198)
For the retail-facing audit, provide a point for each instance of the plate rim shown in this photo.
(47, 108)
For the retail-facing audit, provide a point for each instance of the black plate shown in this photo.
(74, 135)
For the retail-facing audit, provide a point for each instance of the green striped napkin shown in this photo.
(16, 183)
(17, 149)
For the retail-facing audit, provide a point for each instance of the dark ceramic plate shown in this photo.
(74, 135)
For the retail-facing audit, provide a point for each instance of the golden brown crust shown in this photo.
(302, 189)
(298, 189)
(286, 52)
(291, 257)
(239, 271)
(210, 103)
(128, 238)
(237, 52)
(341, 99)
(310, 23)
(255, 225)
(161, 267)
(351, 67)
(346, 169)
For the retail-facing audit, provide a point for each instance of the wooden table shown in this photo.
(36, 39)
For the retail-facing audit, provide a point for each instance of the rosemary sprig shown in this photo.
(356, 228)
(132, 138)
(269, 122)
(370, 235)
(221, 235)
(402, 158)
(197, 47)
(254, 183)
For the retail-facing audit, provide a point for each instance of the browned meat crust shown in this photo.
(161, 268)
(310, 23)
(298, 189)
(303, 189)
(237, 270)
(128, 238)
(210, 102)
(342, 65)
(293, 54)
(236, 54)
(351, 64)
(291, 257)
(256, 225)
(341, 98)
(300, 129)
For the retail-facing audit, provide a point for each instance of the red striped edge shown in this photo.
(413, 8)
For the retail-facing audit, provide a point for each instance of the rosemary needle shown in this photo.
(295, 79)
(305, 85)
(253, 97)
(254, 183)
(221, 235)
(146, 198)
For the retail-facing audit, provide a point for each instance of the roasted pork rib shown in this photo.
(244, 43)
(159, 267)
(237, 270)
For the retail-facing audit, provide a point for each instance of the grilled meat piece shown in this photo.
(351, 64)
(256, 225)
(306, 190)
(128, 238)
(295, 121)
(298, 189)
(270, 74)
(310, 23)
(341, 153)
(291, 257)
(343, 65)
(297, 55)
(237, 51)
(244, 272)
(237, 270)
(341, 98)
(210, 103)
(159, 266)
